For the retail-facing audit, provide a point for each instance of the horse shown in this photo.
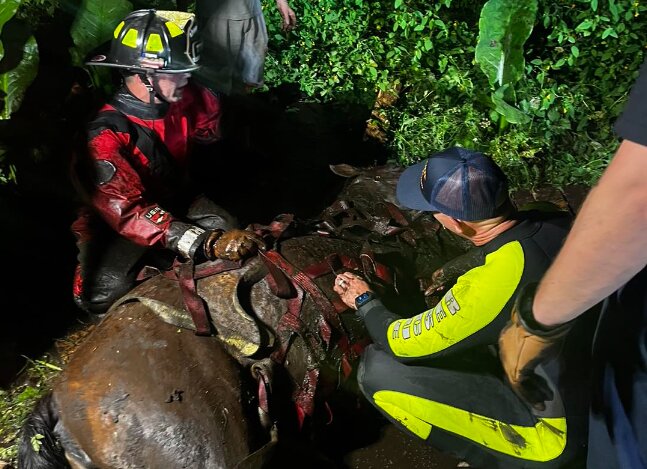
(143, 390)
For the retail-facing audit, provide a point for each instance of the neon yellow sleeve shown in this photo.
(476, 299)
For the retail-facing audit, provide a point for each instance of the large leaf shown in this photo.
(504, 27)
(94, 25)
(511, 113)
(14, 82)
(7, 10)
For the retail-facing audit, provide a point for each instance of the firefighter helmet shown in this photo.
(147, 42)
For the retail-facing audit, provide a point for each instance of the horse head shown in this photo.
(369, 185)
(367, 208)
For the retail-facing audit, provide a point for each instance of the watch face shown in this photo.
(363, 298)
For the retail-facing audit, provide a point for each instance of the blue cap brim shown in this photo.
(408, 189)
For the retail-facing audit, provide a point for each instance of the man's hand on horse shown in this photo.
(232, 245)
(349, 286)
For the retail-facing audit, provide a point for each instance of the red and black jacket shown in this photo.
(136, 166)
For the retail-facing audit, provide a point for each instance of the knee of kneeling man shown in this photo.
(366, 369)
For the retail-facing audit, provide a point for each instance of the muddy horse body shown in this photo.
(142, 393)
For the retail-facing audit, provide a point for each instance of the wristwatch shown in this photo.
(364, 298)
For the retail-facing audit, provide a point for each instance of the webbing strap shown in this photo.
(276, 228)
(309, 287)
(277, 280)
(263, 393)
(186, 275)
(282, 271)
(331, 264)
(192, 302)
(304, 398)
(352, 216)
(206, 269)
(289, 324)
(396, 214)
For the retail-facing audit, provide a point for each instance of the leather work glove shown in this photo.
(231, 245)
(524, 344)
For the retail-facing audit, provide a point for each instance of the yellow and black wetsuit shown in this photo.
(471, 411)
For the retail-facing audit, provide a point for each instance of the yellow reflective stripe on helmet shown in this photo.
(118, 28)
(154, 43)
(130, 38)
(472, 303)
(542, 442)
(173, 29)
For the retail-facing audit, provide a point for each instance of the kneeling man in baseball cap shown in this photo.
(436, 374)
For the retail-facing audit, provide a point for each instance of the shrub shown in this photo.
(580, 61)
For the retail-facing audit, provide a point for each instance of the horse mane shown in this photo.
(39, 426)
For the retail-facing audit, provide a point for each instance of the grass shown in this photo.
(17, 402)
(33, 382)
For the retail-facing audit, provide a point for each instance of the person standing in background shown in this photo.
(604, 256)
(235, 38)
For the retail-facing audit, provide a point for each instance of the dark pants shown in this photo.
(471, 413)
(110, 263)
(618, 423)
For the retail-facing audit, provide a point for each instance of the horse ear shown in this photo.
(344, 170)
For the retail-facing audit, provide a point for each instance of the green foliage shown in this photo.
(7, 170)
(94, 24)
(544, 110)
(556, 73)
(510, 113)
(14, 82)
(504, 27)
(8, 9)
(18, 402)
(35, 442)
(350, 48)
(36, 11)
(330, 54)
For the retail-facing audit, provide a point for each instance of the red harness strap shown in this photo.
(289, 324)
(343, 215)
(207, 269)
(282, 271)
(186, 273)
(396, 214)
(192, 302)
(309, 287)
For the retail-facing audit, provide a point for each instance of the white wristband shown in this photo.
(188, 239)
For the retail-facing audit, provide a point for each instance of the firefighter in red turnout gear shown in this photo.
(134, 175)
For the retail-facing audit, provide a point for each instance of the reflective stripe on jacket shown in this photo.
(476, 308)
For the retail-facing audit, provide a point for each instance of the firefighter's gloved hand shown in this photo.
(232, 245)
(524, 344)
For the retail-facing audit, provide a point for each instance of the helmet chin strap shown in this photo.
(153, 88)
